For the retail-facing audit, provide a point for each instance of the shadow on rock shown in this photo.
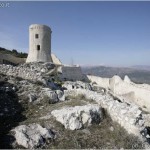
(10, 112)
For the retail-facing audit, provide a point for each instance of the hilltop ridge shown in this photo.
(13, 52)
(42, 107)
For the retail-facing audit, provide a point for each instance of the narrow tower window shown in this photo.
(38, 47)
(36, 36)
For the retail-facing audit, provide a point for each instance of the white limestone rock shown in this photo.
(60, 95)
(79, 116)
(102, 82)
(32, 136)
(53, 98)
(127, 79)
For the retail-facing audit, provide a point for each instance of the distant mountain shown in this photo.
(136, 75)
(141, 67)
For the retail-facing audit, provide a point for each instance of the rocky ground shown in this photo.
(35, 115)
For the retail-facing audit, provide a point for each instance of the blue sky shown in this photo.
(108, 33)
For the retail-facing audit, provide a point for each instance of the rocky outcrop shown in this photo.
(79, 116)
(32, 136)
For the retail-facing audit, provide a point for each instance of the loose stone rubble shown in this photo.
(79, 116)
(30, 71)
(53, 98)
(32, 136)
(54, 95)
(76, 85)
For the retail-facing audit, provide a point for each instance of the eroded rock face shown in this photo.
(32, 136)
(79, 116)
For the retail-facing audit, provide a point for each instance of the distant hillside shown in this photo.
(141, 67)
(136, 75)
(13, 52)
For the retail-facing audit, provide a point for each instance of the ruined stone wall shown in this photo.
(134, 92)
(128, 116)
(55, 59)
(103, 82)
(129, 91)
(72, 73)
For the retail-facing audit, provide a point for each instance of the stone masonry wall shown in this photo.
(129, 91)
(72, 73)
(135, 93)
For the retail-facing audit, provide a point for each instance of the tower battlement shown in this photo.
(37, 26)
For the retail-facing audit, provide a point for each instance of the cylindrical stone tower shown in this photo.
(39, 43)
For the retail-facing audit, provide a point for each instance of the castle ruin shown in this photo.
(39, 43)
